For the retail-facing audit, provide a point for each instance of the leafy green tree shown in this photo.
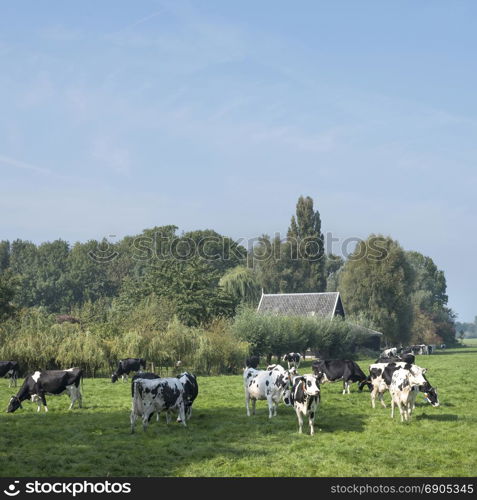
(4, 254)
(9, 285)
(307, 251)
(433, 320)
(241, 283)
(376, 282)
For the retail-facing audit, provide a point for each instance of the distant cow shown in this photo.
(293, 359)
(305, 399)
(340, 369)
(404, 388)
(407, 358)
(12, 369)
(53, 382)
(443, 346)
(252, 362)
(269, 385)
(126, 366)
(392, 351)
(163, 394)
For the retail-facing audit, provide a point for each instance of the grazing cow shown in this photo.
(404, 387)
(269, 384)
(443, 346)
(127, 365)
(163, 394)
(252, 362)
(54, 382)
(293, 359)
(305, 399)
(407, 358)
(389, 352)
(380, 376)
(12, 369)
(340, 369)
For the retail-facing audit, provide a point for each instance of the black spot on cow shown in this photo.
(170, 396)
(267, 382)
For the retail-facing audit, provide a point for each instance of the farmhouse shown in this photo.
(324, 305)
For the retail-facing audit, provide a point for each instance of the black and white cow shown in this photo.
(191, 390)
(305, 399)
(404, 386)
(392, 351)
(293, 359)
(54, 382)
(127, 365)
(156, 395)
(252, 362)
(407, 358)
(380, 376)
(12, 369)
(269, 385)
(346, 370)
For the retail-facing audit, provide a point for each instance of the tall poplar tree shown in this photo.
(305, 241)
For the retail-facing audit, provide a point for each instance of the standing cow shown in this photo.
(293, 359)
(269, 385)
(404, 387)
(163, 394)
(380, 376)
(12, 369)
(127, 365)
(346, 370)
(54, 382)
(305, 398)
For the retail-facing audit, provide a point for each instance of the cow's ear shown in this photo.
(424, 370)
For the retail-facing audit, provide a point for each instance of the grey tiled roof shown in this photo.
(302, 304)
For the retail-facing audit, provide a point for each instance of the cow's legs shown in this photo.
(373, 396)
(300, 421)
(182, 414)
(247, 401)
(271, 406)
(346, 384)
(392, 406)
(311, 422)
(381, 399)
(133, 418)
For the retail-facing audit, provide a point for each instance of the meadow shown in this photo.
(351, 438)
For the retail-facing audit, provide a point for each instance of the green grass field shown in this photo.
(351, 438)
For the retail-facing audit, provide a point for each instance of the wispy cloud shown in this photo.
(12, 162)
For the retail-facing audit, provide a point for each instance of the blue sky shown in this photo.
(117, 116)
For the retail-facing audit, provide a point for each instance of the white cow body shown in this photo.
(269, 385)
(306, 396)
(404, 388)
(156, 395)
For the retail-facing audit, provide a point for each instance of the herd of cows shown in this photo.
(395, 371)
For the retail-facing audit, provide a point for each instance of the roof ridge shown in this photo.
(300, 293)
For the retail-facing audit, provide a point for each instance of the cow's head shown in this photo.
(14, 404)
(312, 385)
(114, 378)
(430, 393)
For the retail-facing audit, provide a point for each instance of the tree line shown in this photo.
(199, 279)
